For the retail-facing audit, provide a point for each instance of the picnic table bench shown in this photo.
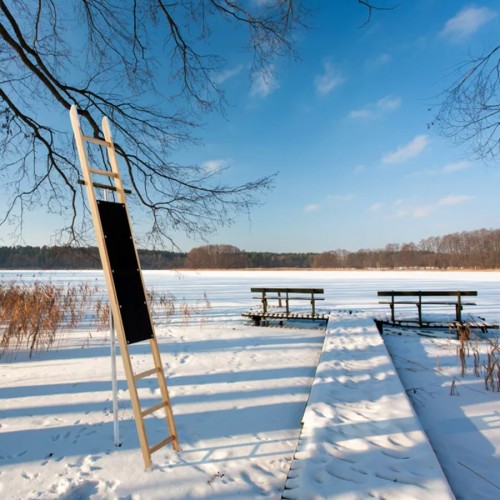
(275, 304)
(427, 297)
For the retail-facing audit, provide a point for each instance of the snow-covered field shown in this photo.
(239, 395)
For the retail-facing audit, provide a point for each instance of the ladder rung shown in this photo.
(107, 173)
(146, 373)
(105, 186)
(161, 444)
(154, 408)
(95, 140)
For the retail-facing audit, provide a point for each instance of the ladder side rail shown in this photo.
(153, 342)
(134, 396)
(79, 139)
(110, 146)
(122, 199)
(162, 383)
(115, 308)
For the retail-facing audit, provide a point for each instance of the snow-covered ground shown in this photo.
(239, 395)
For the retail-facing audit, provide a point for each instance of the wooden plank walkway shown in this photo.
(360, 436)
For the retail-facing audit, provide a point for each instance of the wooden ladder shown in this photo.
(124, 281)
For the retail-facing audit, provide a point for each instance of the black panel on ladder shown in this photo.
(126, 271)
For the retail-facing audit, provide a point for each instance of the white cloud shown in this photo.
(405, 208)
(213, 166)
(361, 114)
(311, 208)
(329, 79)
(375, 207)
(227, 75)
(408, 208)
(421, 212)
(388, 103)
(377, 61)
(467, 22)
(384, 105)
(455, 167)
(263, 83)
(454, 200)
(359, 169)
(410, 150)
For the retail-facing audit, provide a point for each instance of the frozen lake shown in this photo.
(229, 291)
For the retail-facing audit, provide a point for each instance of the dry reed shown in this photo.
(463, 348)
(32, 315)
(453, 388)
(492, 366)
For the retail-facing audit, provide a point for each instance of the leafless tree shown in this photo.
(470, 111)
(145, 65)
(216, 257)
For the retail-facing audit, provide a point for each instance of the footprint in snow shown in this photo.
(401, 441)
(184, 360)
(400, 455)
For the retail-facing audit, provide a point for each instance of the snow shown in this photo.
(260, 411)
(361, 437)
(463, 427)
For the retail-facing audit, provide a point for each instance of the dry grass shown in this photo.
(76, 300)
(477, 359)
(490, 366)
(102, 312)
(162, 305)
(453, 388)
(32, 315)
(463, 348)
(165, 306)
(185, 313)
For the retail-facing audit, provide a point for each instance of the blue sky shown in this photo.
(345, 129)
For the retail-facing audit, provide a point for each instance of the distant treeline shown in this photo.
(66, 257)
(466, 250)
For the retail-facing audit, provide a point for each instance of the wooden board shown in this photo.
(427, 293)
(287, 290)
(126, 272)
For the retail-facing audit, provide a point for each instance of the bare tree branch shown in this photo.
(370, 6)
(470, 110)
(144, 65)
